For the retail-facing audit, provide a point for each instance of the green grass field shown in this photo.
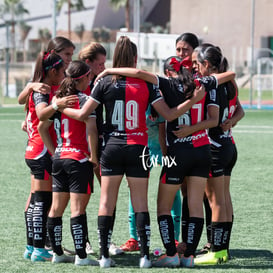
(251, 189)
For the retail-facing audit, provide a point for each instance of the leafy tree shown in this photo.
(44, 35)
(24, 31)
(72, 5)
(16, 10)
(117, 4)
(79, 30)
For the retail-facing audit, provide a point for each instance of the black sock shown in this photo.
(113, 220)
(54, 227)
(42, 203)
(208, 218)
(104, 233)
(217, 233)
(166, 228)
(226, 235)
(195, 228)
(185, 219)
(144, 232)
(77, 225)
(230, 225)
(28, 221)
(86, 228)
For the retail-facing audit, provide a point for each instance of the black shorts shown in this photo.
(70, 175)
(120, 159)
(185, 162)
(223, 158)
(41, 168)
(229, 167)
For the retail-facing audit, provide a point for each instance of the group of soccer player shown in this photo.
(77, 127)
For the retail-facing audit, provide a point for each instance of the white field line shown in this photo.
(252, 129)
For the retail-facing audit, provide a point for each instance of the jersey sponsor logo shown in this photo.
(212, 94)
(106, 170)
(72, 150)
(29, 148)
(190, 138)
(180, 88)
(173, 179)
(126, 134)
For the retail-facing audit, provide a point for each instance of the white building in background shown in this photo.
(97, 13)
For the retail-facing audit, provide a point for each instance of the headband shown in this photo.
(51, 66)
(85, 74)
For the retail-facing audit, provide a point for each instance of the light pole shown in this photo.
(6, 18)
(252, 52)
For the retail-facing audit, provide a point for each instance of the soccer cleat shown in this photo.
(130, 245)
(144, 262)
(106, 262)
(206, 249)
(167, 261)
(88, 248)
(28, 252)
(56, 259)
(85, 261)
(115, 250)
(40, 255)
(187, 261)
(212, 258)
(181, 248)
(176, 243)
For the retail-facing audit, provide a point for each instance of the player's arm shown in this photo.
(84, 112)
(237, 116)
(130, 72)
(211, 121)
(43, 129)
(45, 111)
(172, 113)
(92, 136)
(31, 86)
(225, 77)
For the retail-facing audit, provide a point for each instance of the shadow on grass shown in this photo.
(255, 259)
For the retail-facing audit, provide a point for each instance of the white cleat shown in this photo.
(56, 259)
(115, 250)
(106, 262)
(85, 261)
(144, 262)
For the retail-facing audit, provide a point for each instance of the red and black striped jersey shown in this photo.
(125, 101)
(232, 109)
(35, 147)
(226, 109)
(71, 134)
(173, 93)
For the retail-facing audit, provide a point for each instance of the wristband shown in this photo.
(55, 106)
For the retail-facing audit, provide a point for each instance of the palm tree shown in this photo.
(72, 4)
(44, 36)
(79, 30)
(24, 31)
(16, 10)
(117, 4)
